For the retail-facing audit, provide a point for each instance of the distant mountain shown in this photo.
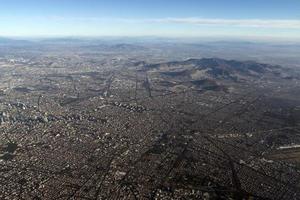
(233, 43)
(5, 40)
(119, 47)
(65, 40)
(12, 42)
(219, 68)
(214, 73)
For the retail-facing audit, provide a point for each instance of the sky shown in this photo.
(166, 18)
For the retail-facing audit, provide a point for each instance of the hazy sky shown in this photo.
(174, 18)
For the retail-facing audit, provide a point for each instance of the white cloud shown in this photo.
(252, 23)
(258, 23)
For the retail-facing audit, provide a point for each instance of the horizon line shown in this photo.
(206, 37)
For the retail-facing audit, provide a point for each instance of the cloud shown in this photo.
(254, 23)
(258, 23)
(250, 23)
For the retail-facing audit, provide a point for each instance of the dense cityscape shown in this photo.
(149, 100)
(91, 126)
